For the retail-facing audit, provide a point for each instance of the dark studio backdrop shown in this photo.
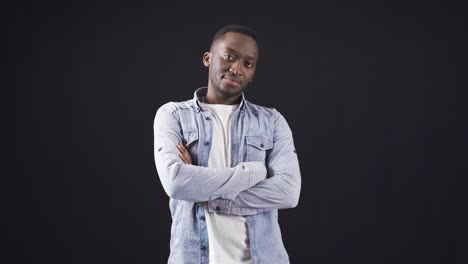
(373, 93)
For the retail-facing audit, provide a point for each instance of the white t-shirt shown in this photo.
(227, 234)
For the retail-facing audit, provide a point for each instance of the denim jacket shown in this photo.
(260, 139)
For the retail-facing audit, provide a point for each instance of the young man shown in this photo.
(227, 165)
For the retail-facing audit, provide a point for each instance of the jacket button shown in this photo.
(202, 218)
(207, 143)
(261, 145)
(203, 248)
(207, 119)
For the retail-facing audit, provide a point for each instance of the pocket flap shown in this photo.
(190, 137)
(259, 142)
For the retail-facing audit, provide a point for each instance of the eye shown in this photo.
(249, 64)
(229, 57)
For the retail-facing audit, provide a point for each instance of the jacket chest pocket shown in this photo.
(190, 141)
(256, 147)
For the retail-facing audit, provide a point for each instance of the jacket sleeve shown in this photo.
(280, 190)
(189, 182)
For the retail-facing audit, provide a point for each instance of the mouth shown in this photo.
(231, 80)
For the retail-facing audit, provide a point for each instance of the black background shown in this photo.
(372, 91)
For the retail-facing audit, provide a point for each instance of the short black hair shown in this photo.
(236, 29)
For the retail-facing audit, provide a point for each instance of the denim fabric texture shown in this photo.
(261, 140)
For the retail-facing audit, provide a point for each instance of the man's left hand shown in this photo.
(184, 154)
(185, 157)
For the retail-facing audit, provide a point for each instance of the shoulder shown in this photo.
(171, 111)
(259, 110)
(172, 107)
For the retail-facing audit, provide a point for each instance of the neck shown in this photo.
(212, 98)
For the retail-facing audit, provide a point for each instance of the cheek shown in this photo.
(250, 74)
(215, 68)
(222, 65)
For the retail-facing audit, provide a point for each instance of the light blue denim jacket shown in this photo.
(260, 138)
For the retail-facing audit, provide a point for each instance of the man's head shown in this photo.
(231, 61)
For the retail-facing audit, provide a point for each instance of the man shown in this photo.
(227, 165)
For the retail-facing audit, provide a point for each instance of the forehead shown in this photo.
(243, 44)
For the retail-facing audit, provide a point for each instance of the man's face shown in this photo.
(231, 61)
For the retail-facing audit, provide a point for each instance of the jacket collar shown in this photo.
(200, 92)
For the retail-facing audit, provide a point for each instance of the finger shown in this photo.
(184, 160)
(184, 154)
(188, 158)
(183, 149)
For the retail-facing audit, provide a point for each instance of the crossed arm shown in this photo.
(280, 190)
(183, 181)
(227, 190)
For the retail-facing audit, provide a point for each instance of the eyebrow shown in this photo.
(235, 51)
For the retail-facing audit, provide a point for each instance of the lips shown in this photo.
(232, 80)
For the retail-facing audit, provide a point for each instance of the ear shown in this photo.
(207, 59)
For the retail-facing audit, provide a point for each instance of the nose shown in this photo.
(236, 68)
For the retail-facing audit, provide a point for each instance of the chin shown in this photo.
(231, 91)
